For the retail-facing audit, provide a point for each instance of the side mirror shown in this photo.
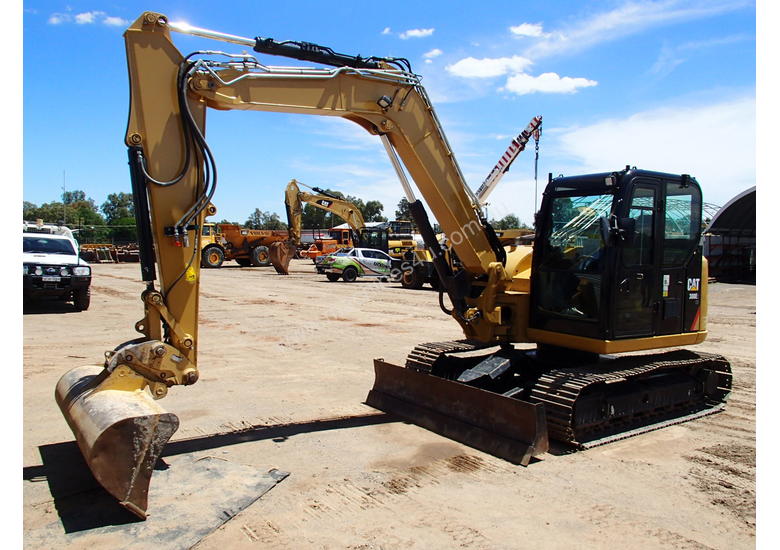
(613, 227)
(606, 231)
(627, 228)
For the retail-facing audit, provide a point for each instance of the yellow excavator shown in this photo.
(616, 266)
(294, 198)
(380, 237)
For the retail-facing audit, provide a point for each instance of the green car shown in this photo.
(351, 263)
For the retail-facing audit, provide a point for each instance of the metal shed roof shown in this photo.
(738, 216)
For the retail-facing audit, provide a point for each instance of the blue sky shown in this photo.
(665, 85)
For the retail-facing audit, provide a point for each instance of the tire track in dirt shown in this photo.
(670, 539)
(113, 292)
(102, 274)
(345, 500)
(726, 474)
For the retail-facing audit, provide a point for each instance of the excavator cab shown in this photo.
(618, 256)
(375, 237)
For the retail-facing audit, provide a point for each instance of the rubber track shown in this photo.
(559, 390)
(423, 356)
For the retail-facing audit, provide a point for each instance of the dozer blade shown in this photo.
(281, 252)
(502, 426)
(120, 432)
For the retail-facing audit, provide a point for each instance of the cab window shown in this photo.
(572, 261)
(640, 250)
(682, 222)
(574, 241)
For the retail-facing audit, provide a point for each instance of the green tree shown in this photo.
(77, 211)
(317, 218)
(123, 230)
(69, 197)
(403, 212)
(28, 211)
(264, 220)
(509, 221)
(372, 212)
(313, 217)
(118, 206)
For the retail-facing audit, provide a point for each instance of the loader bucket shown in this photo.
(121, 433)
(281, 253)
(502, 426)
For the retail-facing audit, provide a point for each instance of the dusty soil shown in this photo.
(290, 359)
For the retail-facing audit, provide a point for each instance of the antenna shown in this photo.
(64, 216)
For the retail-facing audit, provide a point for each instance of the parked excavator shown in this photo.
(324, 200)
(381, 237)
(614, 268)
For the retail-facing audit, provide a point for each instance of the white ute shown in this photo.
(52, 267)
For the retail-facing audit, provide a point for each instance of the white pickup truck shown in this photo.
(52, 266)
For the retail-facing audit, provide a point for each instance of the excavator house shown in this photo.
(616, 266)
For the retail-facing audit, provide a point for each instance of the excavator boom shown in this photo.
(294, 197)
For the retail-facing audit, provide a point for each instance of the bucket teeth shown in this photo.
(121, 432)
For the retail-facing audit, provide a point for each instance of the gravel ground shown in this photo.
(294, 354)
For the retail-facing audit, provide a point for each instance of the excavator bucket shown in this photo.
(120, 432)
(281, 253)
(508, 428)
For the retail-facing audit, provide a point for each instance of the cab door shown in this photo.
(681, 257)
(636, 273)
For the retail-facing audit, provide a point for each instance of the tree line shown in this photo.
(317, 218)
(114, 220)
(510, 221)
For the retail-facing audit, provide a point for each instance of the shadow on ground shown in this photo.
(83, 504)
(80, 500)
(36, 307)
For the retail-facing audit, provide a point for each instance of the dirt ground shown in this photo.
(290, 360)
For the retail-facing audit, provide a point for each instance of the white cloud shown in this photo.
(471, 67)
(416, 33)
(672, 56)
(88, 17)
(58, 18)
(386, 30)
(115, 21)
(629, 18)
(714, 142)
(527, 29)
(550, 83)
(435, 52)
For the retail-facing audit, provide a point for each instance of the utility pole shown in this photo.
(63, 199)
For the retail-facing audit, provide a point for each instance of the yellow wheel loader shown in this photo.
(615, 267)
